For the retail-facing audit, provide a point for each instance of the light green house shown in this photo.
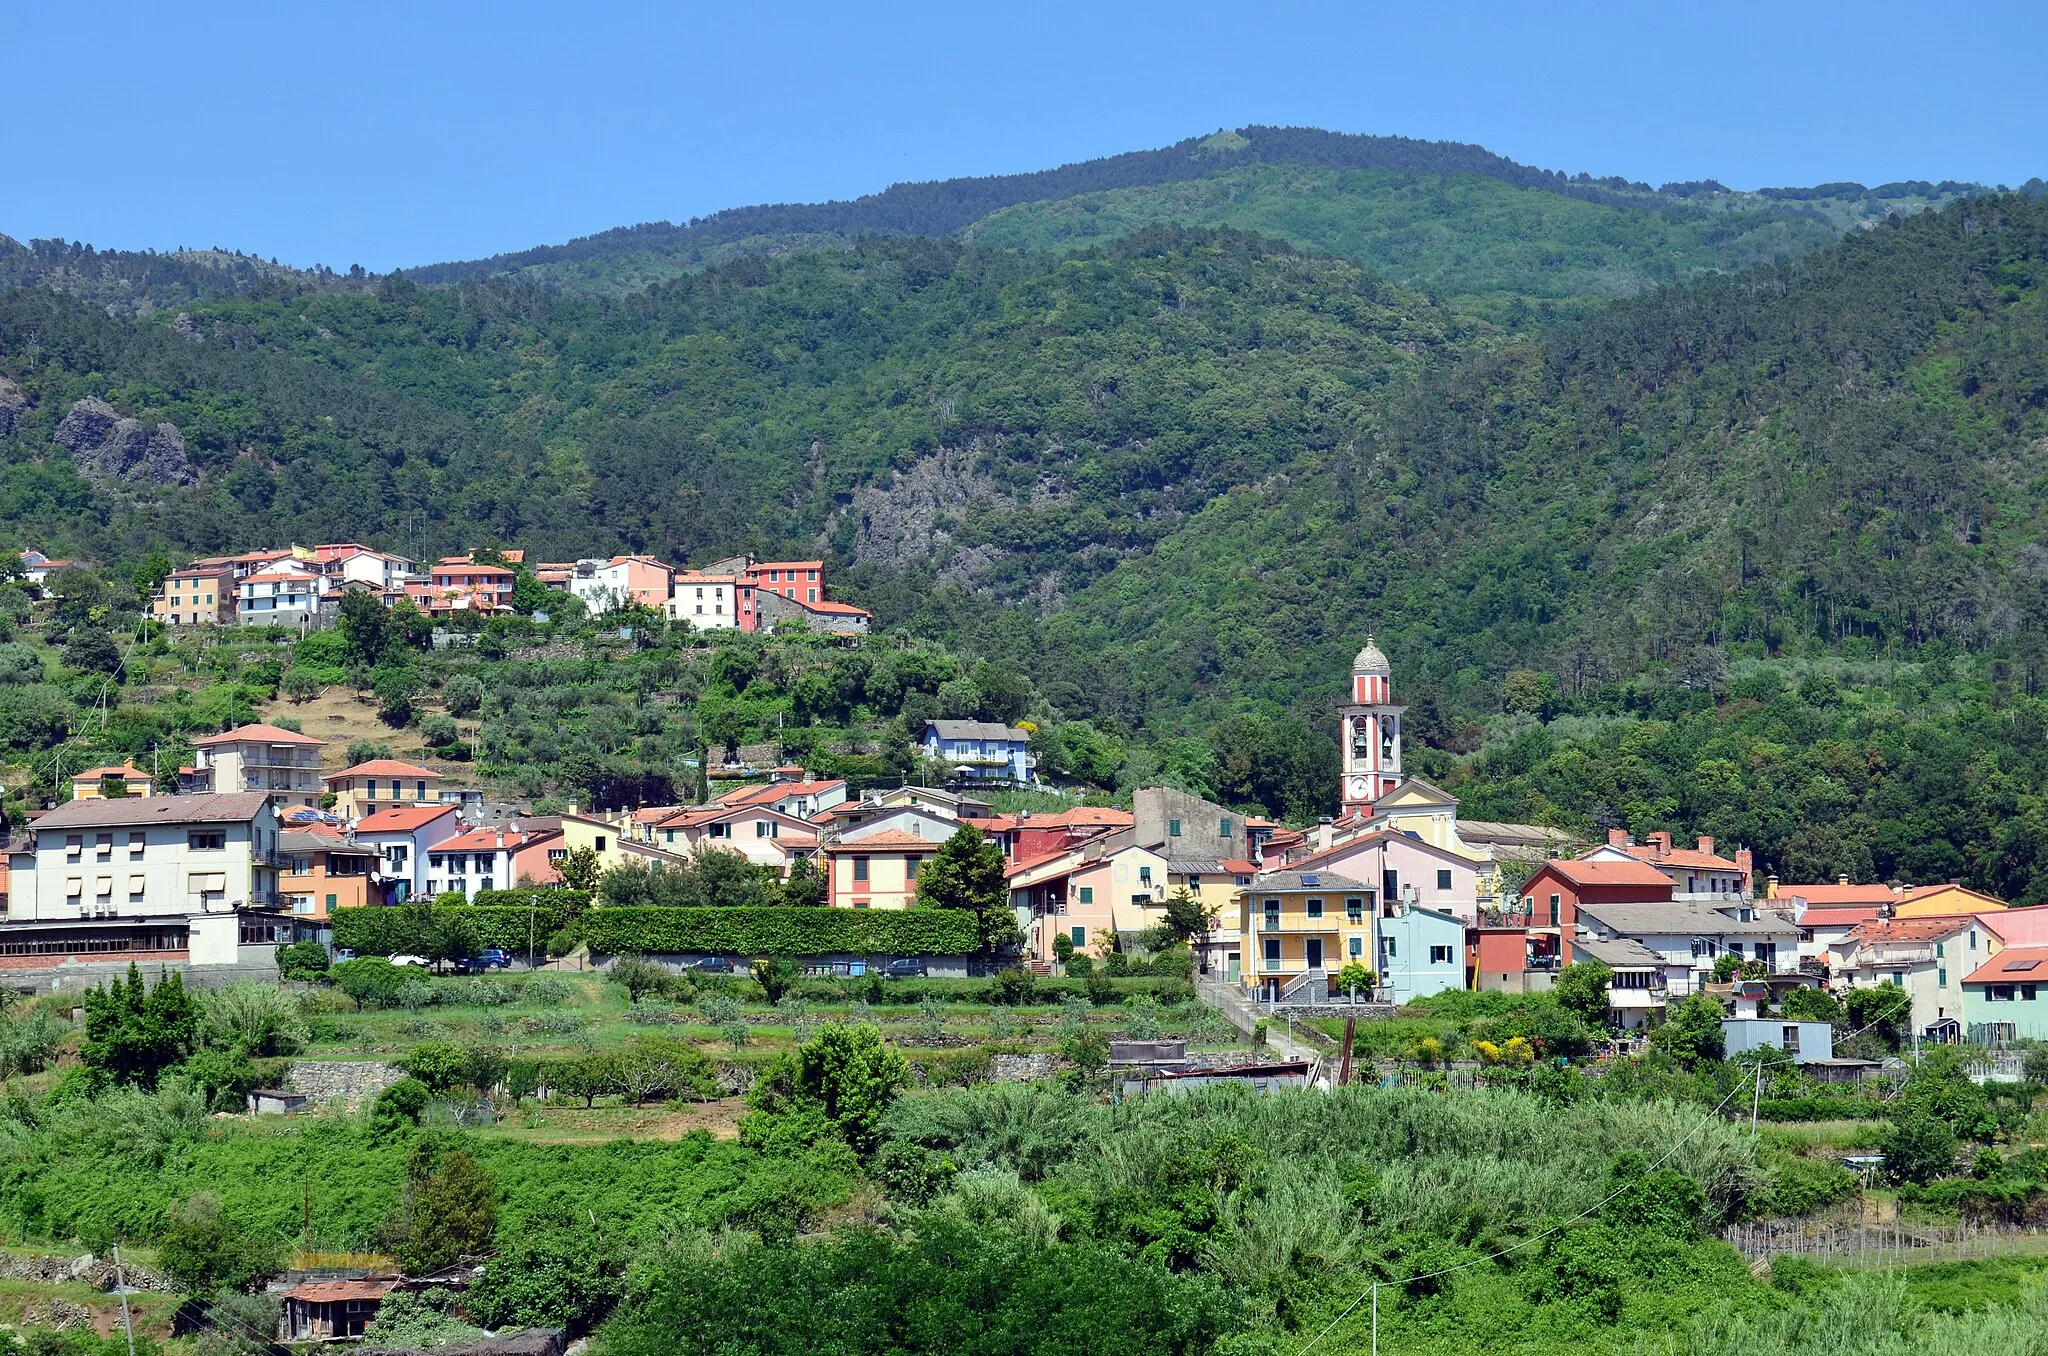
(2006, 998)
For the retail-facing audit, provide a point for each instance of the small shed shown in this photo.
(275, 1101)
(1137, 1057)
(1806, 1042)
(1264, 1077)
(326, 1310)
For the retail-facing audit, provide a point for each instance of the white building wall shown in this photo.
(169, 878)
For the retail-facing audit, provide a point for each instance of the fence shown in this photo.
(1887, 1243)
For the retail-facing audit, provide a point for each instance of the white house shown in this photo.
(1927, 957)
(1690, 937)
(180, 879)
(481, 859)
(281, 763)
(980, 750)
(405, 839)
(708, 602)
(288, 593)
(763, 836)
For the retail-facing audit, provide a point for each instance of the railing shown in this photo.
(266, 899)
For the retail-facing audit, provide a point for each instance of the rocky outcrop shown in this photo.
(13, 405)
(108, 448)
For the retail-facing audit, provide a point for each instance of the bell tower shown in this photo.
(1371, 731)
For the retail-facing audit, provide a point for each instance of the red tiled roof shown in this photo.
(1999, 969)
(837, 609)
(129, 770)
(1834, 917)
(1678, 856)
(887, 838)
(259, 733)
(1083, 817)
(483, 840)
(1237, 866)
(381, 767)
(404, 820)
(1909, 929)
(995, 824)
(1579, 871)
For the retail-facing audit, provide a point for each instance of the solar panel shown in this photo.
(2021, 965)
(1311, 879)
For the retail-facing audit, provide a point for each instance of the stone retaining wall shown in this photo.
(352, 1083)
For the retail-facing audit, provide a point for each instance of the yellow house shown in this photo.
(1299, 923)
(1940, 901)
(382, 784)
(101, 783)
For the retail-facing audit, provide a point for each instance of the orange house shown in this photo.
(324, 873)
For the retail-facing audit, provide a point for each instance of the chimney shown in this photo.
(1617, 838)
(1706, 845)
(1770, 887)
(1326, 833)
(1745, 862)
(1842, 879)
(1660, 842)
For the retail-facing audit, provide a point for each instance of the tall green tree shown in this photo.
(133, 1031)
(967, 873)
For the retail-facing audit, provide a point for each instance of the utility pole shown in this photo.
(1344, 1061)
(1756, 1100)
(121, 1287)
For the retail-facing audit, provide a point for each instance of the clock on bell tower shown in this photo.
(1371, 731)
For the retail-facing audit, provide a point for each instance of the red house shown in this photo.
(1553, 895)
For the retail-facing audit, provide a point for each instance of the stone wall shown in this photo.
(352, 1083)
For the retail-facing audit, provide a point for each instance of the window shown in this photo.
(2027, 992)
(1998, 993)
(1144, 875)
(719, 831)
(1439, 955)
(1354, 909)
(208, 841)
(910, 865)
(136, 841)
(860, 868)
(1937, 950)
(1173, 828)
(1973, 939)
(760, 828)
(1556, 910)
(330, 901)
(1314, 907)
(419, 790)
(1223, 828)
(73, 845)
(1087, 894)
(1078, 935)
(103, 847)
(436, 860)
(1390, 885)
(1789, 1035)
(1271, 958)
(1357, 947)
(1941, 977)
(1443, 880)
(1272, 915)
(600, 842)
(1388, 947)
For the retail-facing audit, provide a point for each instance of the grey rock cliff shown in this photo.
(107, 447)
(13, 404)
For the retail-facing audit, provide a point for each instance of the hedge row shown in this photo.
(571, 901)
(376, 931)
(781, 932)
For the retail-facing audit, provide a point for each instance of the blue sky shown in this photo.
(400, 134)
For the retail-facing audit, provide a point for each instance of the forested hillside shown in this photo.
(1172, 477)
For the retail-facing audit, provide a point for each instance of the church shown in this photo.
(1379, 800)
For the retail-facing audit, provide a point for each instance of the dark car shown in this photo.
(903, 969)
(495, 957)
(715, 965)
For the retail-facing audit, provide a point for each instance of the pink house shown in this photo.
(1399, 867)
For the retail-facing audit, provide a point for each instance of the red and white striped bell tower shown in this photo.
(1372, 731)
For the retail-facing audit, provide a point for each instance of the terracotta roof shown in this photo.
(1835, 917)
(270, 576)
(1083, 817)
(381, 767)
(995, 824)
(2014, 965)
(1678, 856)
(1579, 871)
(125, 770)
(233, 808)
(402, 820)
(654, 814)
(1909, 929)
(887, 838)
(1928, 891)
(482, 840)
(258, 734)
(787, 565)
(330, 1292)
(1238, 866)
(1837, 893)
(836, 609)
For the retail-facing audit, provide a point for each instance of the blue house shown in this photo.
(980, 750)
(1420, 951)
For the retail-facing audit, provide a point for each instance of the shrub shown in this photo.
(846, 1079)
(204, 1250)
(780, 932)
(406, 1100)
(1918, 1147)
(302, 960)
(560, 1277)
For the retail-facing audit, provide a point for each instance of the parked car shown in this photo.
(495, 958)
(714, 965)
(344, 953)
(904, 969)
(421, 961)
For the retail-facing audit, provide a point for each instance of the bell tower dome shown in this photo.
(1371, 731)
